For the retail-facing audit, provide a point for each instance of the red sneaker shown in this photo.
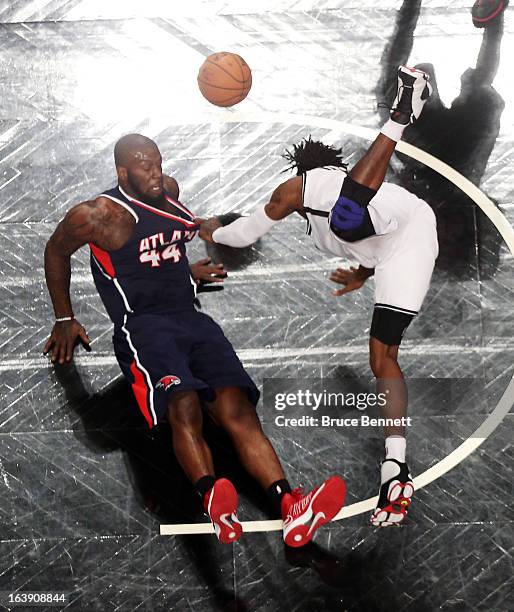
(304, 514)
(486, 11)
(220, 503)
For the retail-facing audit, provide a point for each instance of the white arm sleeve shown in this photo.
(245, 230)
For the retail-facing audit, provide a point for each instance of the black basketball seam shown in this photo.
(220, 87)
(241, 67)
(238, 98)
(225, 71)
(249, 79)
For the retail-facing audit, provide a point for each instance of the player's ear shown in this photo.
(122, 174)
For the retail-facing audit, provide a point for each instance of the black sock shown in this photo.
(276, 492)
(204, 484)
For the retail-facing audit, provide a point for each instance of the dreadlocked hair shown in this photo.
(309, 154)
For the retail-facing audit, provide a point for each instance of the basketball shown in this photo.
(224, 79)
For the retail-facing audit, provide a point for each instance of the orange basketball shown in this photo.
(224, 79)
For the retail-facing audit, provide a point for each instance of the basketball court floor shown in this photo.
(90, 501)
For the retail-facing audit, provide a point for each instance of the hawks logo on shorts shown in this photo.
(168, 381)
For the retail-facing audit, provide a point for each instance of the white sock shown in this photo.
(393, 130)
(395, 448)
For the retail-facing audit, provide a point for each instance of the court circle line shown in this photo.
(499, 220)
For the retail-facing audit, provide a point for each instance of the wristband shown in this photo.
(62, 319)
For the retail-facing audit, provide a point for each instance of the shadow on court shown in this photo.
(110, 421)
(462, 135)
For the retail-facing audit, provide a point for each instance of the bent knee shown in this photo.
(380, 363)
(184, 411)
(239, 419)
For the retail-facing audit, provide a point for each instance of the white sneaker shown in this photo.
(413, 91)
(395, 495)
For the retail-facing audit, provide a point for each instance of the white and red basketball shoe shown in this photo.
(220, 503)
(304, 514)
(395, 495)
(413, 90)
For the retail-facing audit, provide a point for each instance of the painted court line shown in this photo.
(337, 128)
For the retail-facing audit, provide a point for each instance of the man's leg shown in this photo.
(350, 219)
(186, 419)
(371, 169)
(396, 488)
(218, 496)
(401, 285)
(302, 514)
(215, 362)
(238, 417)
(413, 91)
(385, 367)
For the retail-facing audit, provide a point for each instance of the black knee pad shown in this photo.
(349, 219)
(389, 323)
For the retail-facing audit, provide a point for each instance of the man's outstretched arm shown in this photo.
(244, 231)
(81, 225)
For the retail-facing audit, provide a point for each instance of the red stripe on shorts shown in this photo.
(140, 389)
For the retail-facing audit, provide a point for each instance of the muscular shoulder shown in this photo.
(86, 216)
(289, 191)
(91, 221)
(171, 186)
(286, 199)
(88, 212)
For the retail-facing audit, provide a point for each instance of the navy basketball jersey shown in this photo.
(150, 272)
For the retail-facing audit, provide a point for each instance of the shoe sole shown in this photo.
(420, 87)
(400, 495)
(324, 506)
(222, 510)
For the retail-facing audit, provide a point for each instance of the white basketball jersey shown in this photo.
(390, 210)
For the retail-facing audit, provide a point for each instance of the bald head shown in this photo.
(131, 146)
(138, 165)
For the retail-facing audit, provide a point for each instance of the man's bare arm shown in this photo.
(84, 223)
(74, 231)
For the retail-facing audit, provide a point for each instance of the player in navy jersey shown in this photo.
(176, 359)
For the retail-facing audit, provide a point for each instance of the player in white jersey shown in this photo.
(404, 225)
(388, 230)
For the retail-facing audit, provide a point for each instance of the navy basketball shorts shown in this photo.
(161, 354)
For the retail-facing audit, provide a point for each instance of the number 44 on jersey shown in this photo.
(150, 250)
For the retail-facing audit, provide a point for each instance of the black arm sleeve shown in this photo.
(357, 192)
